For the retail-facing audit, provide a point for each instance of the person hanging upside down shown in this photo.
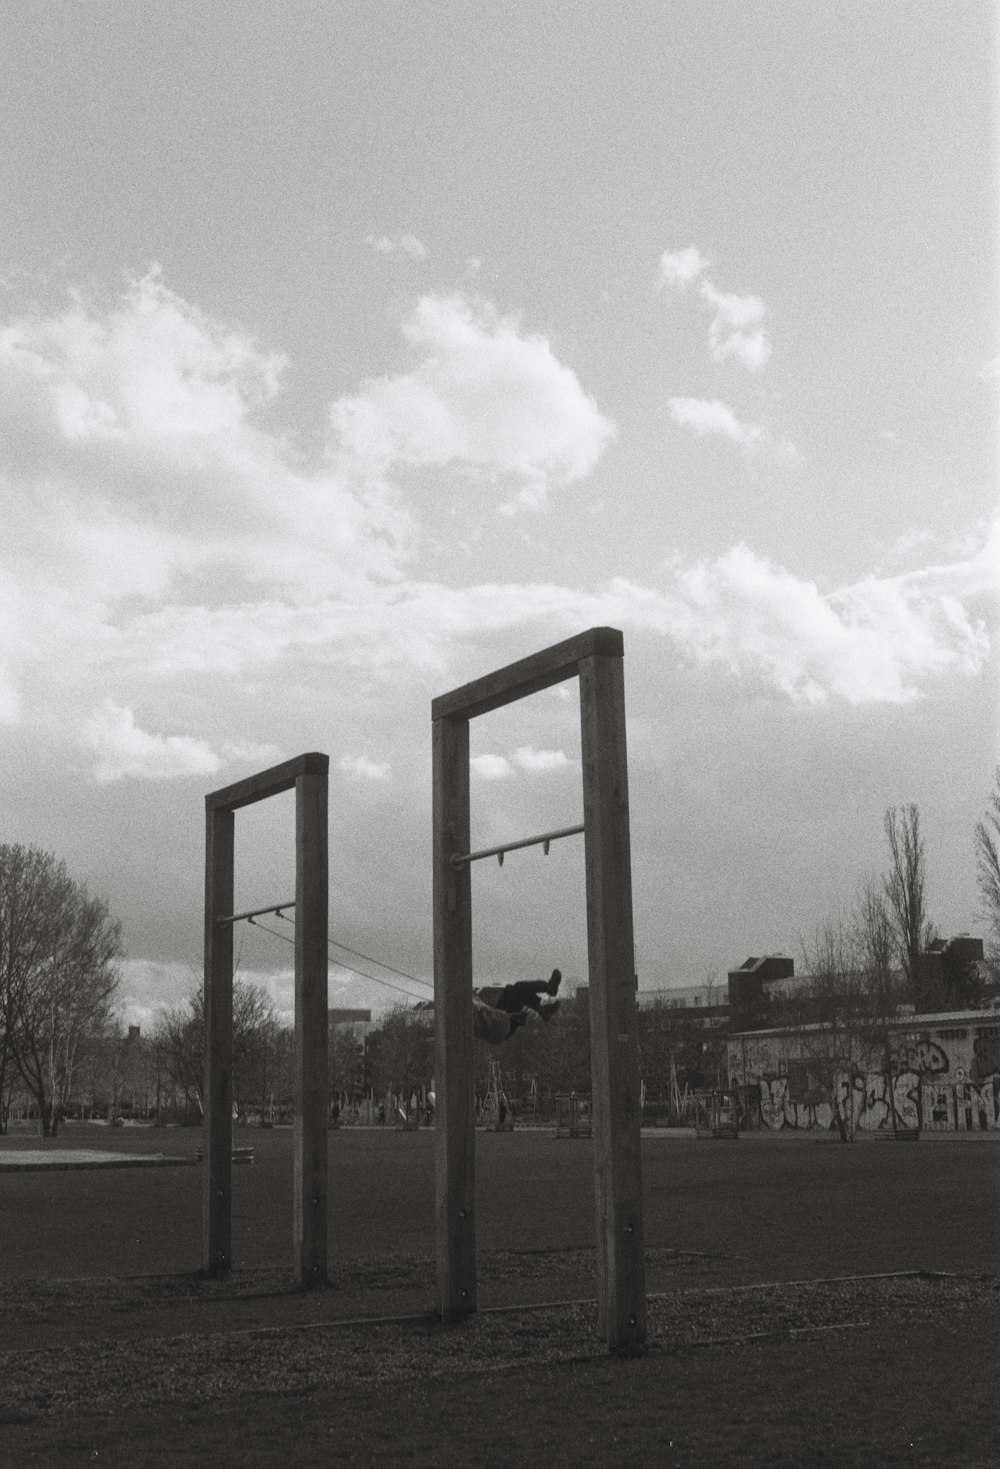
(499, 1010)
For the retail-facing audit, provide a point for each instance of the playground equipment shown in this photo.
(308, 775)
(501, 1119)
(574, 1116)
(595, 658)
(716, 1115)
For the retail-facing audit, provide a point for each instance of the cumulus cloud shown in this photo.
(131, 431)
(362, 768)
(483, 395)
(728, 332)
(702, 417)
(525, 757)
(679, 267)
(534, 760)
(735, 329)
(882, 641)
(122, 749)
(405, 244)
(878, 641)
(490, 767)
(141, 498)
(163, 552)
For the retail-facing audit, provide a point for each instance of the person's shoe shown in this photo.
(552, 988)
(547, 1011)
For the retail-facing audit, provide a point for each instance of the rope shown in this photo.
(359, 954)
(386, 983)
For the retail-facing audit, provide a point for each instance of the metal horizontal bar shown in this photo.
(544, 837)
(529, 675)
(255, 912)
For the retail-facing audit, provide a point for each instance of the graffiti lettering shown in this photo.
(986, 1054)
(906, 1097)
(965, 1105)
(977, 1105)
(772, 1100)
(938, 1107)
(925, 1057)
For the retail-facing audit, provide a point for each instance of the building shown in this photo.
(937, 1072)
(937, 1069)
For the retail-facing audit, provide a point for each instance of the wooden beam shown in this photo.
(527, 676)
(455, 1136)
(268, 782)
(621, 1288)
(217, 1176)
(309, 1208)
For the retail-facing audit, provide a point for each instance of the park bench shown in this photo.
(240, 1155)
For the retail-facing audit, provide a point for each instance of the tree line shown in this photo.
(62, 1042)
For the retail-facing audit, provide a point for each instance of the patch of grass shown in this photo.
(536, 1388)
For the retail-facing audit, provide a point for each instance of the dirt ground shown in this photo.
(115, 1350)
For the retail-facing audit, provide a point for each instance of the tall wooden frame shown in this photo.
(308, 775)
(596, 658)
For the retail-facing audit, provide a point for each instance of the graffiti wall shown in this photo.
(942, 1077)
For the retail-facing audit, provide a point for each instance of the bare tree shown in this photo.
(180, 1041)
(987, 845)
(401, 1051)
(346, 1053)
(180, 1038)
(905, 890)
(875, 943)
(59, 953)
(835, 1019)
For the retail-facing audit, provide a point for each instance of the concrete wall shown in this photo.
(945, 1076)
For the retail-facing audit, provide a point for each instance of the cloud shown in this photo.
(679, 267)
(490, 767)
(712, 417)
(123, 749)
(727, 333)
(142, 501)
(164, 551)
(525, 757)
(483, 396)
(540, 760)
(736, 328)
(881, 641)
(398, 245)
(362, 768)
(875, 642)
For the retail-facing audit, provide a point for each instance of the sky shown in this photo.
(349, 352)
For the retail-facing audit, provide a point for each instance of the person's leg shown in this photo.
(525, 994)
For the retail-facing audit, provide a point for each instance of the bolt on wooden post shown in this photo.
(308, 776)
(595, 657)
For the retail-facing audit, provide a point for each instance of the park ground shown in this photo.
(809, 1304)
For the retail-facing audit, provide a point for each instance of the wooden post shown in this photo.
(311, 1029)
(307, 775)
(596, 657)
(455, 1138)
(217, 1177)
(621, 1290)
